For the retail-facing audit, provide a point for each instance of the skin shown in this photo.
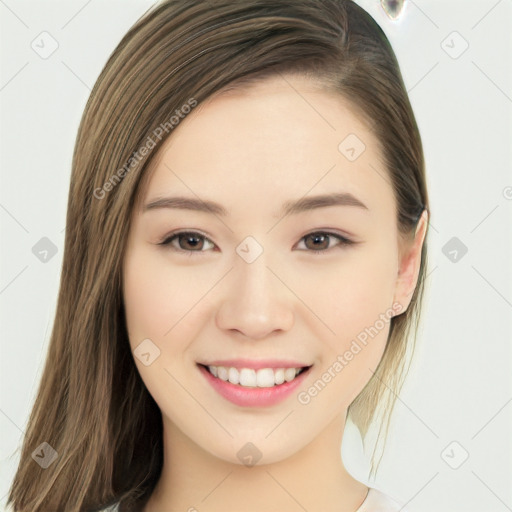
(252, 150)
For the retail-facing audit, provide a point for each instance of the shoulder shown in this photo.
(377, 501)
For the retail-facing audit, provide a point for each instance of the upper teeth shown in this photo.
(263, 378)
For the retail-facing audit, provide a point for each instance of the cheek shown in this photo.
(351, 293)
(156, 301)
(156, 295)
(145, 301)
(356, 303)
(168, 305)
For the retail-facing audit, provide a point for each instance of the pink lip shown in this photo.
(256, 365)
(253, 397)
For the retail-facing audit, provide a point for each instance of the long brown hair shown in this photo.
(92, 407)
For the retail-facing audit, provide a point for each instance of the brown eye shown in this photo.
(188, 242)
(320, 242)
(194, 242)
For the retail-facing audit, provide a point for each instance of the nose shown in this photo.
(256, 303)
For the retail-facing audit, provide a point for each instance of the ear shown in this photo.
(409, 263)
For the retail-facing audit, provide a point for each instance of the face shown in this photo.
(259, 292)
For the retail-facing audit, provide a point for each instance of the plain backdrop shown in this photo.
(449, 447)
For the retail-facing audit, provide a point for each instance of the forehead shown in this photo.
(277, 138)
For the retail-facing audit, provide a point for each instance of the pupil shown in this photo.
(320, 239)
(192, 240)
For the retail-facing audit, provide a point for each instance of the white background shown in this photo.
(459, 388)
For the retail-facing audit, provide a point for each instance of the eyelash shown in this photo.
(343, 241)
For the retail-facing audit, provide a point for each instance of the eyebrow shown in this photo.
(290, 207)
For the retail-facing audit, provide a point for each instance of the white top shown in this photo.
(377, 501)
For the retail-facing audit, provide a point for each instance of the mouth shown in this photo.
(255, 378)
(254, 387)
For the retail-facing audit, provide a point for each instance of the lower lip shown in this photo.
(253, 397)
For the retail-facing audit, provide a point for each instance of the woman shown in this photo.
(243, 266)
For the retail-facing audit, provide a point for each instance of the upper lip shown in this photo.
(256, 364)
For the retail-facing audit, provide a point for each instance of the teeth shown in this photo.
(265, 377)
(222, 373)
(247, 377)
(289, 374)
(233, 376)
(279, 376)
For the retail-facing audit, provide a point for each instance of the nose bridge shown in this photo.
(256, 301)
(255, 280)
(252, 274)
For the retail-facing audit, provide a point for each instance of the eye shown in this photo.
(187, 241)
(192, 241)
(320, 241)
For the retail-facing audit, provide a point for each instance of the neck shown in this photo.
(312, 479)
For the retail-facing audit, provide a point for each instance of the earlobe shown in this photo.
(409, 264)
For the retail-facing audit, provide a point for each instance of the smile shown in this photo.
(250, 387)
(250, 378)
